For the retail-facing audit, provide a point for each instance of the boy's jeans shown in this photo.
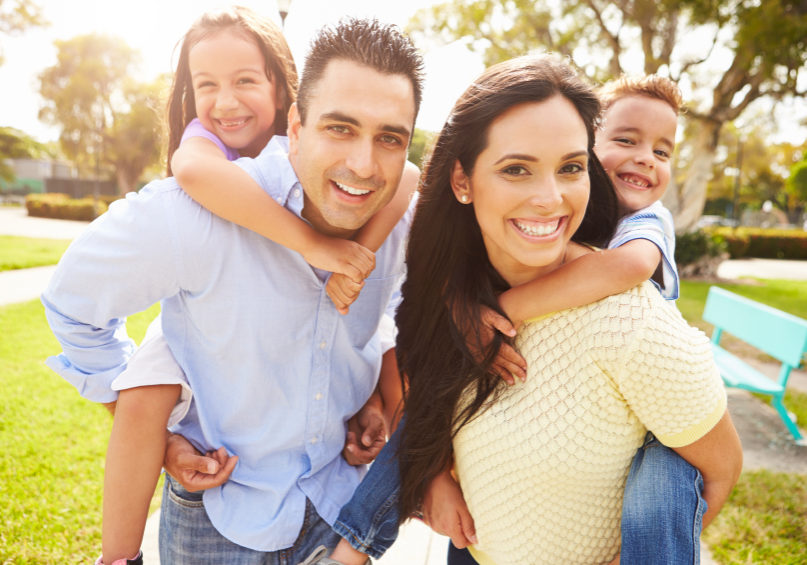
(188, 538)
(661, 511)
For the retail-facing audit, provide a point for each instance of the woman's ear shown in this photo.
(460, 183)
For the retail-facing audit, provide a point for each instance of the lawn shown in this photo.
(52, 462)
(24, 252)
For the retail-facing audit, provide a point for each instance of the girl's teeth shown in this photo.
(351, 190)
(537, 230)
(232, 124)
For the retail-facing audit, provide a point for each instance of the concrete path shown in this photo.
(417, 544)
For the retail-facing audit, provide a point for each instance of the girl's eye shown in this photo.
(204, 84)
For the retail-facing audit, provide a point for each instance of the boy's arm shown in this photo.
(230, 192)
(586, 279)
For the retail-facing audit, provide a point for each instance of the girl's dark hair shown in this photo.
(280, 68)
(449, 275)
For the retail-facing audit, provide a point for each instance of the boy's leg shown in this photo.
(459, 556)
(369, 521)
(133, 462)
(663, 508)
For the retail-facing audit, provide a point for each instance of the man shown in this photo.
(275, 370)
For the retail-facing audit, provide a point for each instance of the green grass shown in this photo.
(24, 252)
(52, 462)
(764, 521)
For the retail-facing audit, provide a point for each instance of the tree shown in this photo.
(753, 50)
(107, 120)
(796, 184)
(14, 144)
(18, 15)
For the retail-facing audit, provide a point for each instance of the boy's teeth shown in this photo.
(351, 190)
(537, 229)
(636, 181)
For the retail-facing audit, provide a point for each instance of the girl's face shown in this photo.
(234, 98)
(529, 187)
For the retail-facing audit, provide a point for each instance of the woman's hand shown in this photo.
(445, 511)
(367, 433)
(193, 470)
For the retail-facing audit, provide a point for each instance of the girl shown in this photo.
(541, 465)
(234, 85)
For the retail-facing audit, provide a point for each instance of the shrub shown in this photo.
(766, 243)
(62, 207)
(699, 253)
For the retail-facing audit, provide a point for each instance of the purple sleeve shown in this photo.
(196, 129)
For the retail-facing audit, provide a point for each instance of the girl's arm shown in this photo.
(229, 192)
(344, 290)
(586, 279)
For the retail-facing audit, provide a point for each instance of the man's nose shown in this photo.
(362, 159)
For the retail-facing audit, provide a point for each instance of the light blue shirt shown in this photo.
(276, 371)
(655, 224)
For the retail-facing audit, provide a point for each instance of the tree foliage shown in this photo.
(728, 53)
(796, 184)
(108, 121)
(18, 15)
(14, 144)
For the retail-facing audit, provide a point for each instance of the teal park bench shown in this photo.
(779, 334)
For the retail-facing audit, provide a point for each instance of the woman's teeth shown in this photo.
(351, 190)
(537, 230)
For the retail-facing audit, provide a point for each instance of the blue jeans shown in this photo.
(662, 509)
(188, 538)
(369, 521)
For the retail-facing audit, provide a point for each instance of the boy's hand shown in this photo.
(343, 291)
(445, 511)
(343, 256)
(508, 364)
(366, 435)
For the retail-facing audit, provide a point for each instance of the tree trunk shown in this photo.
(125, 182)
(686, 201)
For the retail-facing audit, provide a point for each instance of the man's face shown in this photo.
(350, 153)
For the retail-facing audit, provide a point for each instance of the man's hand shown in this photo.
(366, 435)
(193, 470)
(445, 511)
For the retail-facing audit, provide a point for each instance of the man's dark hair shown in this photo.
(380, 46)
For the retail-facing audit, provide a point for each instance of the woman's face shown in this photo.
(529, 187)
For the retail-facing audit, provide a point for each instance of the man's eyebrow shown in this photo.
(340, 117)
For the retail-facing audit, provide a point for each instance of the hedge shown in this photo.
(62, 207)
(766, 243)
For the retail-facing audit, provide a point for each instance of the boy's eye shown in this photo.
(624, 140)
(662, 153)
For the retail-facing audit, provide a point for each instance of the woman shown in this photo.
(513, 191)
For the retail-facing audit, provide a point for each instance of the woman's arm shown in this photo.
(718, 456)
(229, 192)
(589, 278)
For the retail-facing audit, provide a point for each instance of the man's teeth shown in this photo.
(641, 183)
(537, 230)
(351, 190)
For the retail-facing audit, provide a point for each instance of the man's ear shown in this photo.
(293, 129)
(460, 184)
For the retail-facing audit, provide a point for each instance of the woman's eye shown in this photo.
(572, 168)
(515, 170)
(246, 81)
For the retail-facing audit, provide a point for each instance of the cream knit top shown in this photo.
(543, 468)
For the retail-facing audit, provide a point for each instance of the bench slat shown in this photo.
(739, 374)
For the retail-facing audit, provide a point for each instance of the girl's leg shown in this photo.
(369, 521)
(663, 508)
(133, 463)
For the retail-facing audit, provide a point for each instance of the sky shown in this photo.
(153, 27)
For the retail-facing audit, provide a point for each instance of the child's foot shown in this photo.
(138, 560)
(320, 557)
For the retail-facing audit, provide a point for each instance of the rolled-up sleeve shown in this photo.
(124, 262)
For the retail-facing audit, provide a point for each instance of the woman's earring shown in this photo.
(464, 199)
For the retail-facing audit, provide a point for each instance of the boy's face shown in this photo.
(634, 145)
(350, 153)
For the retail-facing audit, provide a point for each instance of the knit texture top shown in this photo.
(543, 465)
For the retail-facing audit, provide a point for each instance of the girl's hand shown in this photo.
(343, 291)
(341, 256)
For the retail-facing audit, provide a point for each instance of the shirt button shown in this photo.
(297, 193)
(313, 440)
(318, 396)
(280, 200)
(322, 345)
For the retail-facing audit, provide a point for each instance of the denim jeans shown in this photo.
(663, 507)
(369, 521)
(188, 538)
